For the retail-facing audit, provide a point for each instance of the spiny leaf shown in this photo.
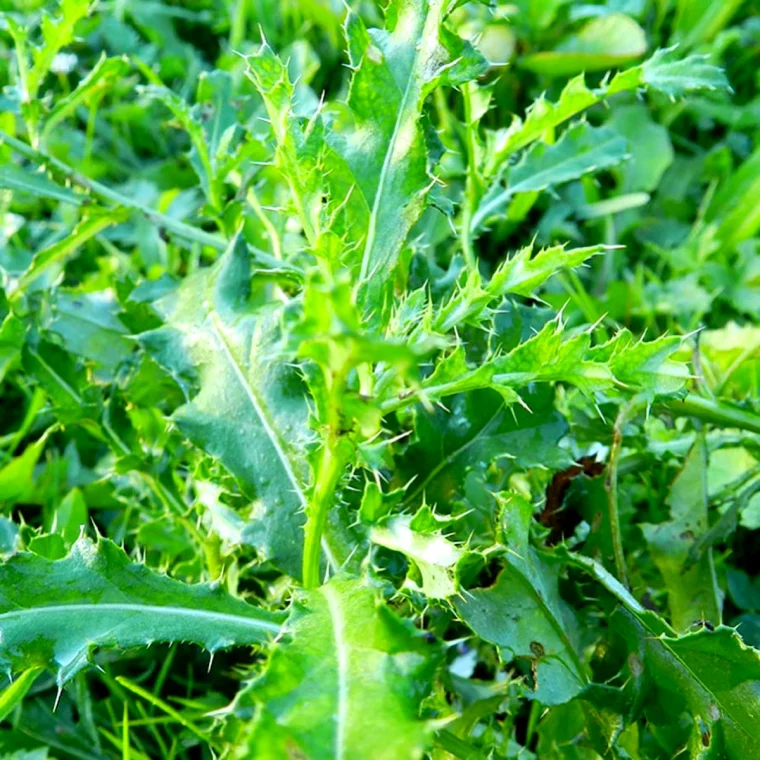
(378, 133)
(245, 405)
(523, 273)
(57, 31)
(712, 676)
(645, 365)
(53, 613)
(582, 149)
(661, 71)
(665, 73)
(299, 143)
(435, 556)
(346, 681)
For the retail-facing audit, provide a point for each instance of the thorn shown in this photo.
(58, 698)
(210, 661)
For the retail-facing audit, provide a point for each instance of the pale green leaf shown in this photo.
(674, 77)
(434, 555)
(603, 43)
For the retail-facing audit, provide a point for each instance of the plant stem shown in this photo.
(612, 486)
(174, 225)
(714, 412)
(330, 470)
(471, 181)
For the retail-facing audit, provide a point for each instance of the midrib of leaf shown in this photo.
(220, 617)
(342, 657)
(403, 118)
(58, 379)
(257, 405)
(266, 423)
(454, 454)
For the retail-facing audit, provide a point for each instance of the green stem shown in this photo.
(611, 484)
(239, 17)
(714, 412)
(330, 470)
(471, 182)
(178, 228)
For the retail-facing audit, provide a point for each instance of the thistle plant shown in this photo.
(280, 393)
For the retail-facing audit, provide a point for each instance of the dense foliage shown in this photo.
(379, 382)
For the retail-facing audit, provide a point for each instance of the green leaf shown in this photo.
(210, 137)
(698, 21)
(13, 694)
(709, 677)
(523, 273)
(89, 326)
(346, 681)
(693, 593)
(476, 442)
(603, 43)
(661, 72)
(643, 365)
(580, 150)
(246, 406)
(57, 32)
(66, 384)
(18, 179)
(299, 146)
(648, 144)
(733, 208)
(12, 334)
(48, 263)
(523, 614)
(16, 477)
(379, 134)
(675, 77)
(53, 613)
